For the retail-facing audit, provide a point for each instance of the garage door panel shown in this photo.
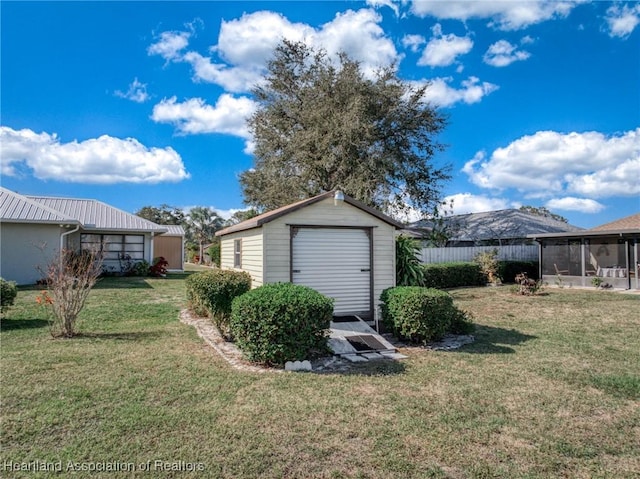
(335, 262)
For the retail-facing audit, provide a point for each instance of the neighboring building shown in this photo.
(170, 246)
(491, 228)
(610, 251)
(35, 228)
(331, 243)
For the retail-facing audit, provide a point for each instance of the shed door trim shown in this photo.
(293, 231)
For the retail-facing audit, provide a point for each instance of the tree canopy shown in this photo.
(542, 211)
(323, 126)
(162, 215)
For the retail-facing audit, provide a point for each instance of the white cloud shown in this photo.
(442, 50)
(469, 203)
(246, 44)
(622, 20)
(570, 203)
(504, 15)
(550, 163)
(384, 3)
(503, 53)
(137, 92)
(441, 93)
(527, 40)
(170, 45)
(413, 42)
(103, 160)
(194, 116)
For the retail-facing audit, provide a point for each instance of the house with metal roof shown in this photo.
(609, 252)
(491, 228)
(33, 229)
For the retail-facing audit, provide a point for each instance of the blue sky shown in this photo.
(143, 103)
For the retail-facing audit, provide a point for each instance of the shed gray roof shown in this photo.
(259, 220)
(15, 208)
(499, 224)
(90, 214)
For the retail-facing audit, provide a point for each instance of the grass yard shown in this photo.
(551, 388)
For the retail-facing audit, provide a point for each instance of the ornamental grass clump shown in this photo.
(281, 322)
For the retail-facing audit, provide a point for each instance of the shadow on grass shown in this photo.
(123, 282)
(380, 367)
(13, 324)
(124, 336)
(492, 340)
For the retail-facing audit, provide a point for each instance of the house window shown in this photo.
(114, 247)
(237, 253)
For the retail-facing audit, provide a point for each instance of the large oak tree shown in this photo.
(323, 125)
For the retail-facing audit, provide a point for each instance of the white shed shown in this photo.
(331, 242)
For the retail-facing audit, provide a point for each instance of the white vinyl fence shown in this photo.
(467, 253)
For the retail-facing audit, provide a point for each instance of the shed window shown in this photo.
(237, 253)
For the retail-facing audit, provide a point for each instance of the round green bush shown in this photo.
(8, 293)
(281, 322)
(210, 293)
(420, 315)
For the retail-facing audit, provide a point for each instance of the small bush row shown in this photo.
(281, 322)
(271, 324)
(420, 315)
(508, 270)
(452, 275)
(210, 293)
(8, 293)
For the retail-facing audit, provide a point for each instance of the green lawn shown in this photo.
(551, 388)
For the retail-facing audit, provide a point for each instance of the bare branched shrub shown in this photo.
(527, 286)
(69, 276)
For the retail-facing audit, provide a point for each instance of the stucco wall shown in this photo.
(24, 248)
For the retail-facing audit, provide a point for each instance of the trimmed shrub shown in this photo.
(508, 270)
(214, 253)
(281, 322)
(210, 293)
(8, 293)
(418, 315)
(452, 275)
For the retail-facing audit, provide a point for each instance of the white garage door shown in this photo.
(336, 262)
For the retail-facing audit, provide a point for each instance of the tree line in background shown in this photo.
(200, 224)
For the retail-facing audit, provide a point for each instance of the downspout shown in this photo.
(62, 237)
(151, 250)
(66, 233)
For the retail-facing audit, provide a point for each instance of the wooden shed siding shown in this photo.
(252, 253)
(325, 213)
(170, 248)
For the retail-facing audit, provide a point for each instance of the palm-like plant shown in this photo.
(409, 270)
(202, 223)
